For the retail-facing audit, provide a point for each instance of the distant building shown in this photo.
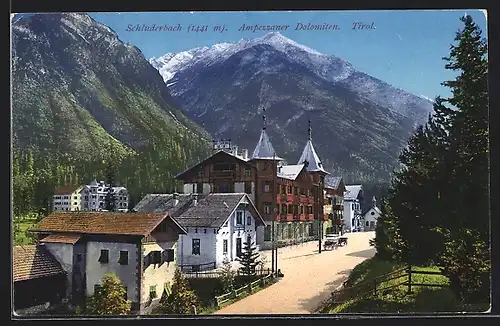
(139, 248)
(352, 207)
(371, 216)
(39, 280)
(67, 198)
(217, 225)
(333, 206)
(91, 197)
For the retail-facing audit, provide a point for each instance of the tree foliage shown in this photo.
(181, 300)
(249, 259)
(227, 275)
(436, 210)
(108, 298)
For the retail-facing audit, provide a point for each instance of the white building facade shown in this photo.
(352, 208)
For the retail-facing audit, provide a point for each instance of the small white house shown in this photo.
(371, 216)
(218, 225)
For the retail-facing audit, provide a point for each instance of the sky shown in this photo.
(405, 48)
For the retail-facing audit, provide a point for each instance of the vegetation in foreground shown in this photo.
(437, 208)
(396, 299)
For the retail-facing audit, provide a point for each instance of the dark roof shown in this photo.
(103, 223)
(34, 261)
(353, 192)
(218, 153)
(66, 190)
(332, 182)
(214, 209)
(62, 238)
(165, 203)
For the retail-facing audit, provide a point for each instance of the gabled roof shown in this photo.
(165, 203)
(220, 152)
(376, 209)
(66, 190)
(352, 192)
(214, 209)
(34, 261)
(309, 155)
(290, 172)
(140, 224)
(332, 182)
(264, 149)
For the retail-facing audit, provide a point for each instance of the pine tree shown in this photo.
(181, 300)
(248, 259)
(108, 298)
(466, 257)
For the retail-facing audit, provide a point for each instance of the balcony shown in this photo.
(282, 218)
(302, 217)
(337, 207)
(296, 217)
(290, 198)
(281, 198)
(222, 174)
(289, 217)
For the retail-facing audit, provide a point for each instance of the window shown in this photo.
(283, 209)
(239, 218)
(205, 230)
(249, 220)
(168, 255)
(75, 203)
(104, 258)
(283, 190)
(309, 209)
(296, 191)
(199, 188)
(248, 187)
(367, 224)
(248, 172)
(75, 197)
(224, 246)
(155, 257)
(290, 209)
(267, 208)
(290, 188)
(123, 257)
(196, 230)
(196, 247)
(301, 210)
(78, 257)
(152, 292)
(267, 187)
(249, 239)
(372, 213)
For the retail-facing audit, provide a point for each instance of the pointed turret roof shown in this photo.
(309, 156)
(264, 149)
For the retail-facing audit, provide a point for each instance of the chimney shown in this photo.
(234, 150)
(175, 196)
(244, 154)
(195, 199)
(279, 169)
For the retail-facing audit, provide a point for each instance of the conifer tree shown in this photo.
(110, 199)
(227, 276)
(248, 259)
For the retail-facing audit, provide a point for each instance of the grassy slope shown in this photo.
(396, 300)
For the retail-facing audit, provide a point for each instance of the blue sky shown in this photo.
(405, 49)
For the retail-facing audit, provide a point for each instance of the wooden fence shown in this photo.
(216, 274)
(249, 288)
(374, 286)
(198, 267)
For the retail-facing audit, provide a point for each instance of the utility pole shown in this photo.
(275, 213)
(316, 198)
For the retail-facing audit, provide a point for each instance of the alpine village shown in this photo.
(187, 224)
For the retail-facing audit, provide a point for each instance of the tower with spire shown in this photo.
(315, 167)
(266, 161)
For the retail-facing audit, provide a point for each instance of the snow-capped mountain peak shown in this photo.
(328, 67)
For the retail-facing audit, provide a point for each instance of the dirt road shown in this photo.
(309, 279)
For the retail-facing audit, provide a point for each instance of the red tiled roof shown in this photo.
(101, 223)
(66, 190)
(62, 238)
(34, 261)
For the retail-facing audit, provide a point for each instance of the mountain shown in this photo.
(359, 122)
(77, 88)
